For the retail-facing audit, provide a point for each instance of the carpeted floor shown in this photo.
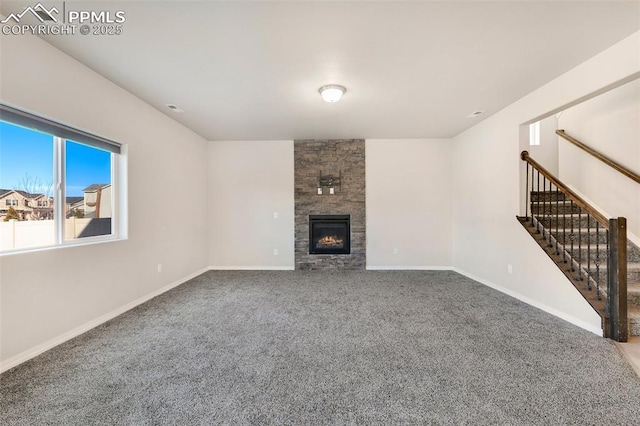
(317, 348)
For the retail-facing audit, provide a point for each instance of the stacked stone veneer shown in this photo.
(330, 157)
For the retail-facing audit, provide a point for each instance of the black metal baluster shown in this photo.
(589, 252)
(572, 237)
(550, 216)
(564, 230)
(557, 252)
(597, 261)
(579, 277)
(538, 206)
(544, 209)
(531, 196)
(526, 201)
(606, 257)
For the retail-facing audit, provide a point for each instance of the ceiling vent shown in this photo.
(174, 108)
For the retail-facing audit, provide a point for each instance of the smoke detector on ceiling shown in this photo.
(474, 114)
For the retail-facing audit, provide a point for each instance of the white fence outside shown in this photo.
(15, 235)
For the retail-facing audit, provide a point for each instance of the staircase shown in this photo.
(579, 246)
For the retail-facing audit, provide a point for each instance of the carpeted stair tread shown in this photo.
(633, 271)
(633, 314)
(633, 295)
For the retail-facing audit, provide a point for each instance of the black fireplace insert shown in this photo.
(329, 234)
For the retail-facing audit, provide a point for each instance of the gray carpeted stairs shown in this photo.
(562, 218)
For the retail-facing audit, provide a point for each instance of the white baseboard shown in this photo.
(408, 268)
(43, 347)
(252, 268)
(536, 304)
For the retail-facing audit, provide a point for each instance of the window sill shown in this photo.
(85, 242)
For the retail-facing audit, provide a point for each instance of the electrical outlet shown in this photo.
(275, 215)
(395, 250)
(275, 252)
(510, 269)
(159, 267)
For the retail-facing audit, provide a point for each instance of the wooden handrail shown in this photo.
(608, 161)
(604, 221)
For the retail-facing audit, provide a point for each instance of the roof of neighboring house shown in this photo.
(26, 194)
(95, 186)
(73, 200)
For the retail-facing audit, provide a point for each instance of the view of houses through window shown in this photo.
(29, 197)
(89, 195)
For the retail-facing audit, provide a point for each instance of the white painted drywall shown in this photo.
(610, 124)
(408, 203)
(486, 184)
(46, 295)
(250, 182)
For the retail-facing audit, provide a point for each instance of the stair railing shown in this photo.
(589, 248)
(600, 156)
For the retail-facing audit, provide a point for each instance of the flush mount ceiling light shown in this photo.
(332, 92)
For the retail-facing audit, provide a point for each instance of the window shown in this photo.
(534, 133)
(69, 181)
(88, 175)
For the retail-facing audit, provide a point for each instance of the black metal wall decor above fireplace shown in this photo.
(329, 234)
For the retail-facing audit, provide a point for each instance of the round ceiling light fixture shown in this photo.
(332, 92)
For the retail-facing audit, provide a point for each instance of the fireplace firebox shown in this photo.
(329, 234)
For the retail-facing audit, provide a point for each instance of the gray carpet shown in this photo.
(319, 348)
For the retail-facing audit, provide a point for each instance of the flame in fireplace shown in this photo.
(330, 241)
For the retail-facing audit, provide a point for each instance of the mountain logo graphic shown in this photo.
(39, 11)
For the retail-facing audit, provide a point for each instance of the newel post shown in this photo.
(617, 280)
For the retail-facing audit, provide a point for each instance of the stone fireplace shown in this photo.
(329, 223)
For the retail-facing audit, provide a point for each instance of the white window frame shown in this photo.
(60, 134)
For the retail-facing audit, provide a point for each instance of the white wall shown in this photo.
(408, 203)
(45, 295)
(610, 124)
(248, 182)
(486, 168)
(407, 181)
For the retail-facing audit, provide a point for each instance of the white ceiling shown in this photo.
(251, 71)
